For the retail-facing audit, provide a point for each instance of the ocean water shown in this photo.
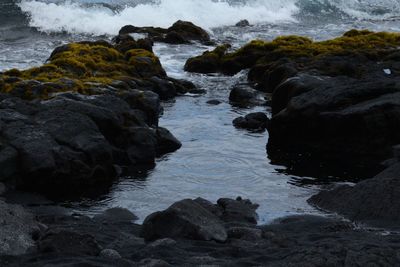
(216, 159)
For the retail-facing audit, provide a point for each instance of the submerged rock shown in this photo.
(252, 121)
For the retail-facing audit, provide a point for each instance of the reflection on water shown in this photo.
(216, 160)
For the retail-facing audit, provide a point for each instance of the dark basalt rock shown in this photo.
(214, 102)
(70, 136)
(8, 159)
(296, 240)
(116, 215)
(166, 142)
(335, 103)
(189, 31)
(244, 95)
(17, 229)
(350, 122)
(184, 219)
(208, 62)
(373, 201)
(68, 242)
(243, 23)
(239, 210)
(252, 121)
(181, 32)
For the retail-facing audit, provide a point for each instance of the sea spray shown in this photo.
(78, 17)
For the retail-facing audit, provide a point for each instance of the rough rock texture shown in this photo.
(373, 201)
(335, 103)
(66, 125)
(184, 219)
(17, 230)
(181, 32)
(72, 141)
(289, 241)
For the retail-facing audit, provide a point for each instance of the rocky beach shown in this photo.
(179, 140)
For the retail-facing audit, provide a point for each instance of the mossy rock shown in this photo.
(208, 62)
(84, 64)
(372, 44)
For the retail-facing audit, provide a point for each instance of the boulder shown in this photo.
(340, 120)
(372, 201)
(181, 32)
(208, 62)
(166, 142)
(244, 95)
(189, 31)
(184, 219)
(252, 121)
(239, 210)
(243, 23)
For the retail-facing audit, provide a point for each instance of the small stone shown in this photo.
(110, 254)
(214, 102)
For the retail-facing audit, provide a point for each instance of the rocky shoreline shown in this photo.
(190, 233)
(70, 127)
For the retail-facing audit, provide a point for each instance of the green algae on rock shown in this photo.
(262, 52)
(83, 64)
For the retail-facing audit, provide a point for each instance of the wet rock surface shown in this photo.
(335, 103)
(253, 121)
(76, 240)
(181, 32)
(373, 201)
(69, 126)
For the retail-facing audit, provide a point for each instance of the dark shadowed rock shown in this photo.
(166, 142)
(214, 102)
(239, 210)
(184, 219)
(8, 161)
(243, 23)
(181, 32)
(17, 229)
(68, 242)
(116, 215)
(189, 31)
(244, 95)
(164, 88)
(373, 201)
(175, 38)
(252, 121)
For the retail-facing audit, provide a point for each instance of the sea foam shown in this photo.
(78, 17)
